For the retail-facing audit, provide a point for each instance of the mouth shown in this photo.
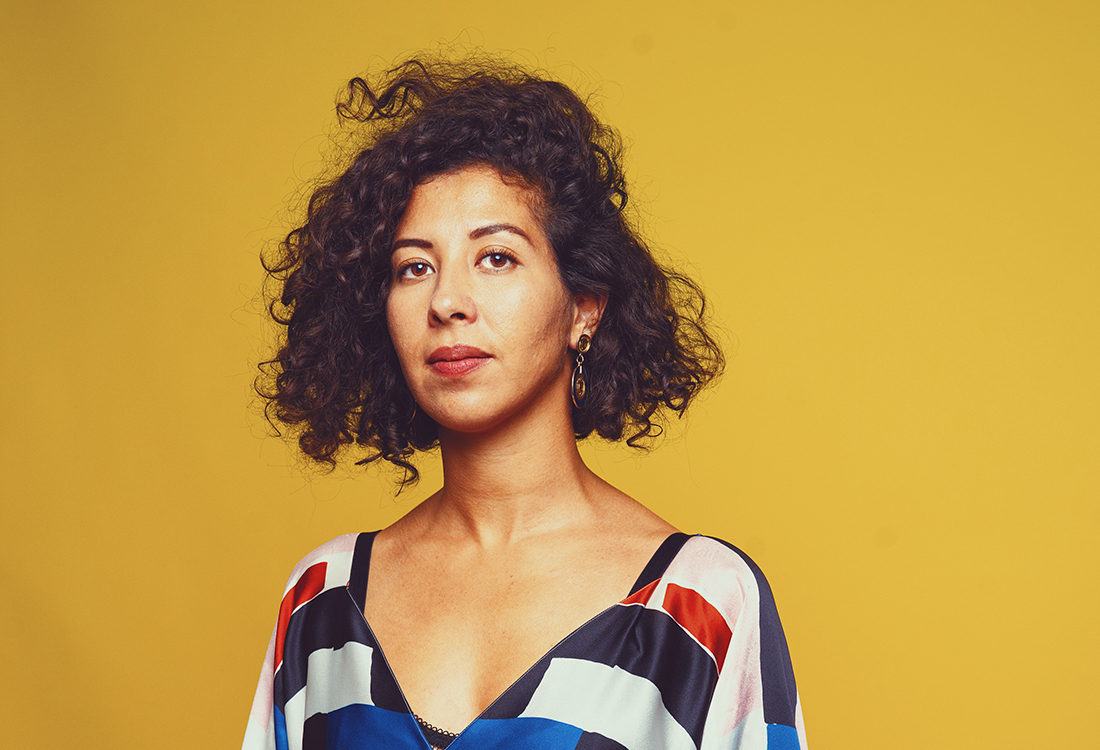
(455, 361)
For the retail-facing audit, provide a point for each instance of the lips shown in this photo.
(456, 361)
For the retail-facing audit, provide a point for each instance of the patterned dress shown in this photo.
(693, 658)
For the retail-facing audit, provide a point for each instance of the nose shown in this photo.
(451, 300)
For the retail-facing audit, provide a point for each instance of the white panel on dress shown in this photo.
(750, 734)
(717, 573)
(337, 553)
(609, 701)
(337, 678)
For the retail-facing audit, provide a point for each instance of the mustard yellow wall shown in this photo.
(894, 207)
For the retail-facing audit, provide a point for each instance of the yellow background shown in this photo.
(894, 208)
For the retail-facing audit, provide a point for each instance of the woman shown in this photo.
(470, 281)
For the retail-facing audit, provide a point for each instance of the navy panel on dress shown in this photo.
(649, 643)
(315, 732)
(328, 620)
(645, 642)
(595, 741)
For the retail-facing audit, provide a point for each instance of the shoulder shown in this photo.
(724, 577)
(324, 567)
(727, 604)
(707, 556)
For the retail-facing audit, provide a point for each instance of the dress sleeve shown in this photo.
(327, 567)
(755, 703)
(260, 732)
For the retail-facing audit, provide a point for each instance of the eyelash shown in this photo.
(502, 253)
(402, 271)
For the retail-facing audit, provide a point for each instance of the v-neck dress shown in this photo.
(694, 658)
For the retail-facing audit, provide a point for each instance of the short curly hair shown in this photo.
(335, 378)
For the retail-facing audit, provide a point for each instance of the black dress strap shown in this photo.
(360, 569)
(657, 564)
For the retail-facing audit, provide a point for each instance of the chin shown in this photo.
(469, 424)
(477, 415)
(466, 415)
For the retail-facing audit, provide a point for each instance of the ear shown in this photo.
(587, 310)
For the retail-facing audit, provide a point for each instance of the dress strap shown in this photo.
(360, 569)
(657, 564)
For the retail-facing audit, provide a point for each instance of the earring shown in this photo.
(579, 386)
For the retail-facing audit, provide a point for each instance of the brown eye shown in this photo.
(498, 261)
(414, 271)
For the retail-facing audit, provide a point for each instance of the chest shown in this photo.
(456, 635)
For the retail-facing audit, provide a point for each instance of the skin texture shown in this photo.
(523, 543)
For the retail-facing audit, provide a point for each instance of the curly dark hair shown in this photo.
(336, 380)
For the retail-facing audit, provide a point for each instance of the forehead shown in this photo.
(469, 198)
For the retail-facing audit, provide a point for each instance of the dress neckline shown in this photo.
(357, 589)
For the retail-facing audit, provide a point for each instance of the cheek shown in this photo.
(398, 319)
(538, 322)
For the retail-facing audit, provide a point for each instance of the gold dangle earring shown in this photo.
(579, 386)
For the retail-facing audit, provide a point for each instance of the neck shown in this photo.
(516, 480)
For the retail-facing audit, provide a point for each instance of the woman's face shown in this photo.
(478, 314)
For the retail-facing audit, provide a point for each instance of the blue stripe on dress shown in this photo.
(363, 727)
(510, 734)
(280, 730)
(782, 737)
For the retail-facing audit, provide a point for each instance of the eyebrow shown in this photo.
(410, 242)
(494, 228)
(476, 234)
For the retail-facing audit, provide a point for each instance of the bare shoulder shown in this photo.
(624, 519)
(400, 543)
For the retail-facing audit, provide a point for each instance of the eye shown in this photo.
(414, 270)
(498, 260)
